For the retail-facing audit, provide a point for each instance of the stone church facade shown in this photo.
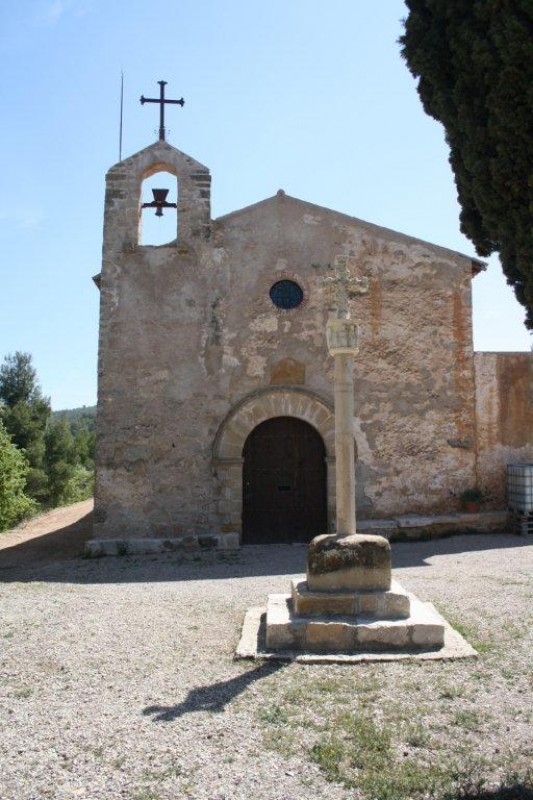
(215, 400)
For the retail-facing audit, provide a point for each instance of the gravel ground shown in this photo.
(117, 676)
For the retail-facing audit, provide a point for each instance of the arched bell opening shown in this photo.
(158, 224)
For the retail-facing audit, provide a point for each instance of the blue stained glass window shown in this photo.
(286, 294)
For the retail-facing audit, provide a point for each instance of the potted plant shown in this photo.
(470, 499)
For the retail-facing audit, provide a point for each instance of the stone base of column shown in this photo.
(348, 604)
(356, 562)
(286, 630)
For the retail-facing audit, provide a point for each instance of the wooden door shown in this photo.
(284, 483)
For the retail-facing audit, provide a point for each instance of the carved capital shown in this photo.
(342, 336)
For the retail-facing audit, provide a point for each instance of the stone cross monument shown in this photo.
(342, 339)
(346, 560)
(348, 603)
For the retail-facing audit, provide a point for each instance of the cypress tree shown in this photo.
(474, 64)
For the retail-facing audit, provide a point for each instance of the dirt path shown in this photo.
(54, 536)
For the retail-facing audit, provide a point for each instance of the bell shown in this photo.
(159, 202)
(160, 196)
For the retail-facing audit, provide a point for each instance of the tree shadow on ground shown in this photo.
(56, 557)
(62, 544)
(419, 553)
(512, 791)
(214, 697)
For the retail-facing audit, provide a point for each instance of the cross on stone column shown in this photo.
(344, 284)
(162, 100)
(342, 338)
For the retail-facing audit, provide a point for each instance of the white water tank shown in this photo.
(520, 488)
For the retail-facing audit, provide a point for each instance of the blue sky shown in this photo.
(304, 95)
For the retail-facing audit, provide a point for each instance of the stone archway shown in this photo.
(250, 412)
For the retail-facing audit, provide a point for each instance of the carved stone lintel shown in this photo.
(342, 336)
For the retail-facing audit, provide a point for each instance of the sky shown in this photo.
(308, 96)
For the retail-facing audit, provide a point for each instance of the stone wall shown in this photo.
(504, 408)
(414, 388)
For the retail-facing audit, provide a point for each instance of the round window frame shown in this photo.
(286, 275)
(289, 294)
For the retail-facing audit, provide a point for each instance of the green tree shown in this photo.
(25, 412)
(80, 485)
(59, 459)
(84, 444)
(474, 62)
(59, 454)
(18, 380)
(68, 462)
(26, 422)
(14, 503)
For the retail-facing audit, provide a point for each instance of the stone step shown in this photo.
(391, 604)
(286, 631)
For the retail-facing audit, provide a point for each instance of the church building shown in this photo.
(215, 421)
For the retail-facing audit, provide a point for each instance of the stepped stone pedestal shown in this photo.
(350, 604)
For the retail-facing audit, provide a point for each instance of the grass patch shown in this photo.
(359, 754)
(379, 745)
(417, 736)
(407, 780)
(483, 646)
(330, 754)
(23, 692)
(274, 715)
(373, 742)
(146, 794)
(280, 741)
(452, 691)
(468, 718)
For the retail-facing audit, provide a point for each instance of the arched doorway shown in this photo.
(284, 483)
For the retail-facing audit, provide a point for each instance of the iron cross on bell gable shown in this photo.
(160, 195)
(162, 100)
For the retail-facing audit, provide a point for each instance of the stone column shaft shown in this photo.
(344, 444)
(342, 338)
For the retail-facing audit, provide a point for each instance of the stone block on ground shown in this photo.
(390, 604)
(328, 636)
(283, 632)
(383, 635)
(357, 562)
